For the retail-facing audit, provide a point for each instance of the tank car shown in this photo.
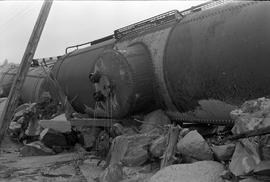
(200, 63)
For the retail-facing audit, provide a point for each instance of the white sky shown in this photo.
(71, 22)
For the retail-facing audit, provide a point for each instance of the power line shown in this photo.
(17, 17)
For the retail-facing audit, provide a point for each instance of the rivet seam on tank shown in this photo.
(218, 12)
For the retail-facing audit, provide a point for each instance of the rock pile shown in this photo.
(196, 156)
(157, 149)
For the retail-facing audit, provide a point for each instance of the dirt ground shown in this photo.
(73, 166)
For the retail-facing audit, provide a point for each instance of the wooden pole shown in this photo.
(30, 50)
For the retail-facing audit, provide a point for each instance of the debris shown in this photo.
(245, 158)
(263, 168)
(89, 135)
(103, 144)
(137, 152)
(113, 173)
(52, 138)
(251, 179)
(252, 115)
(62, 171)
(158, 146)
(193, 145)
(138, 174)
(118, 150)
(183, 132)
(264, 147)
(57, 125)
(169, 153)
(135, 156)
(223, 152)
(117, 129)
(202, 171)
(155, 119)
(90, 170)
(252, 133)
(35, 149)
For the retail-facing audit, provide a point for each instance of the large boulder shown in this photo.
(202, 171)
(155, 119)
(245, 157)
(193, 145)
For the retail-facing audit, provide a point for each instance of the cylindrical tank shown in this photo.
(124, 84)
(7, 75)
(125, 81)
(33, 86)
(72, 73)
(218, 58)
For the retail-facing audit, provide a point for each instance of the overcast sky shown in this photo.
(71, 22)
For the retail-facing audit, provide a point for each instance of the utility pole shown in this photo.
(30, 50)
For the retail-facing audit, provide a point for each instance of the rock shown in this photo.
(183, 132)
(15, 127)
(158, 146)
(154, 119)
(252, 115)
(117, 129)
(130, 150)
(137, 153)
(202, 171)
(245, 158)
(141, 177)
(57, 125)
(193, 145)
(223, 152)
(89, 136)
(263, 168)
(135, 156)
(71, 137)
(52, 138)
(113, 173)
(118, 150)
(34, 149)
(90, 170)
(33, 128)
(61, 117)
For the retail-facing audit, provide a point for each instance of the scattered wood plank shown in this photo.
(27, 59)
(258, 132)
(93, 122)
(170, 150)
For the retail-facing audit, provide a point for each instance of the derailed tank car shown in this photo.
(196, 64)
(35, 83)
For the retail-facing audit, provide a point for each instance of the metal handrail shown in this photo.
(164, 18)
(91, 43)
